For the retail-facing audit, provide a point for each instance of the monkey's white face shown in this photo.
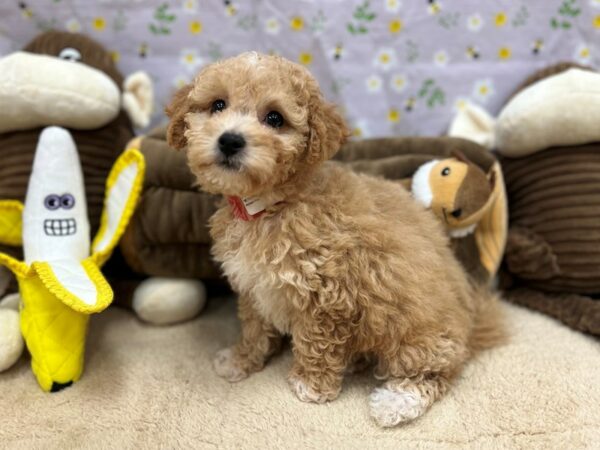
(69, 88)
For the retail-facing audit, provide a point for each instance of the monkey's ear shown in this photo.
(176, 112)
(138, 98)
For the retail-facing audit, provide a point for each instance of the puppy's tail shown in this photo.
(489, 329)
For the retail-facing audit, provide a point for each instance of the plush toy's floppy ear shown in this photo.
(123, 188)
(11, 222)
(138, 98)
(78, 284)
(474, 123)
(176, 112)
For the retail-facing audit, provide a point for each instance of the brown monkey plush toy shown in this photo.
(67, 80)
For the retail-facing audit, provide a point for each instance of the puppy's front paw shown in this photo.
(307, 394)
(390, 407)
(227, 366)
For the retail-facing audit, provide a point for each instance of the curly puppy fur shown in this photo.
(348, 265)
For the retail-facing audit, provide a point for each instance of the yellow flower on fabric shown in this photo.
(99, 23)
(357, 132)
(504, 53)
(398, 82)
(483, 90)
(195, 27)
(597, 21)
(393, 115)
(297, 23)
(500, 19)
(395, 26)
(272, 25)
(305, 58)
(115, 56)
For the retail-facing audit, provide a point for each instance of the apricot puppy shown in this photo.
(348, 265)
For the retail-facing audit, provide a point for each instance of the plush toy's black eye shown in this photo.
(52, 202)
(70, 54)
(456, 213)
(445, 171)
(67, 201)
(218, 105)
(274, 119)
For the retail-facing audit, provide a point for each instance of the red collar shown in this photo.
(239, 209)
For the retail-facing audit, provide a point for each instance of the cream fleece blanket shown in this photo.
(148, 387)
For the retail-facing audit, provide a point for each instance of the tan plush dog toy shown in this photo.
(468, 201)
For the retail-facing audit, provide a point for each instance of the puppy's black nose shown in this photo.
(456, 213)
(231, 143)
(56, 387)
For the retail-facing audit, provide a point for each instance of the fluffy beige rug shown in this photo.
(148, 387)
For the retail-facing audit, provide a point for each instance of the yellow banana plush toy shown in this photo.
(60, 280)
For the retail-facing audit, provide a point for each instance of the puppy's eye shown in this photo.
(445, 171)
(274, 119)
(218, 105)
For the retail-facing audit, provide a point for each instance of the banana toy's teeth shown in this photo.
(55, 206)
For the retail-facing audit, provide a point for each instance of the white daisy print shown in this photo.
(360, 130)
(392, 5)
(73, 26)
(483, 90)
(399, 82)
(460, 103)
(374, 83)
(180, 81)
(189, 57)
(441, 58)
(583, 54)
(595, 3)
(272, 26)
(474, 22)
(190, 6)
(385, 58)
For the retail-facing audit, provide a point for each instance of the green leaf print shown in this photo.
(431, 93)
(163, 19)
(567, 10)
(362, 16)
(521, 17)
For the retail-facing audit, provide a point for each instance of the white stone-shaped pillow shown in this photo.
(560, 110)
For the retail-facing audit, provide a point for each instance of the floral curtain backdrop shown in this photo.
(396, 67)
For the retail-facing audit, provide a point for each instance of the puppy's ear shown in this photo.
(176, 112)
(328, 130)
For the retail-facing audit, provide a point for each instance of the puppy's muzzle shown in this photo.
(230, 144)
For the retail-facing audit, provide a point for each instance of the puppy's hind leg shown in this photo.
(258, 342)
(401, 400)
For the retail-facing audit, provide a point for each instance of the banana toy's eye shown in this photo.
(52, 202)
(446, 171)
(67, 201)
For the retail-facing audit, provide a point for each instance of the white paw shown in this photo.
(304, 392)
(164, 301)
(11, 341)
(226, 367)
(389, 408)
